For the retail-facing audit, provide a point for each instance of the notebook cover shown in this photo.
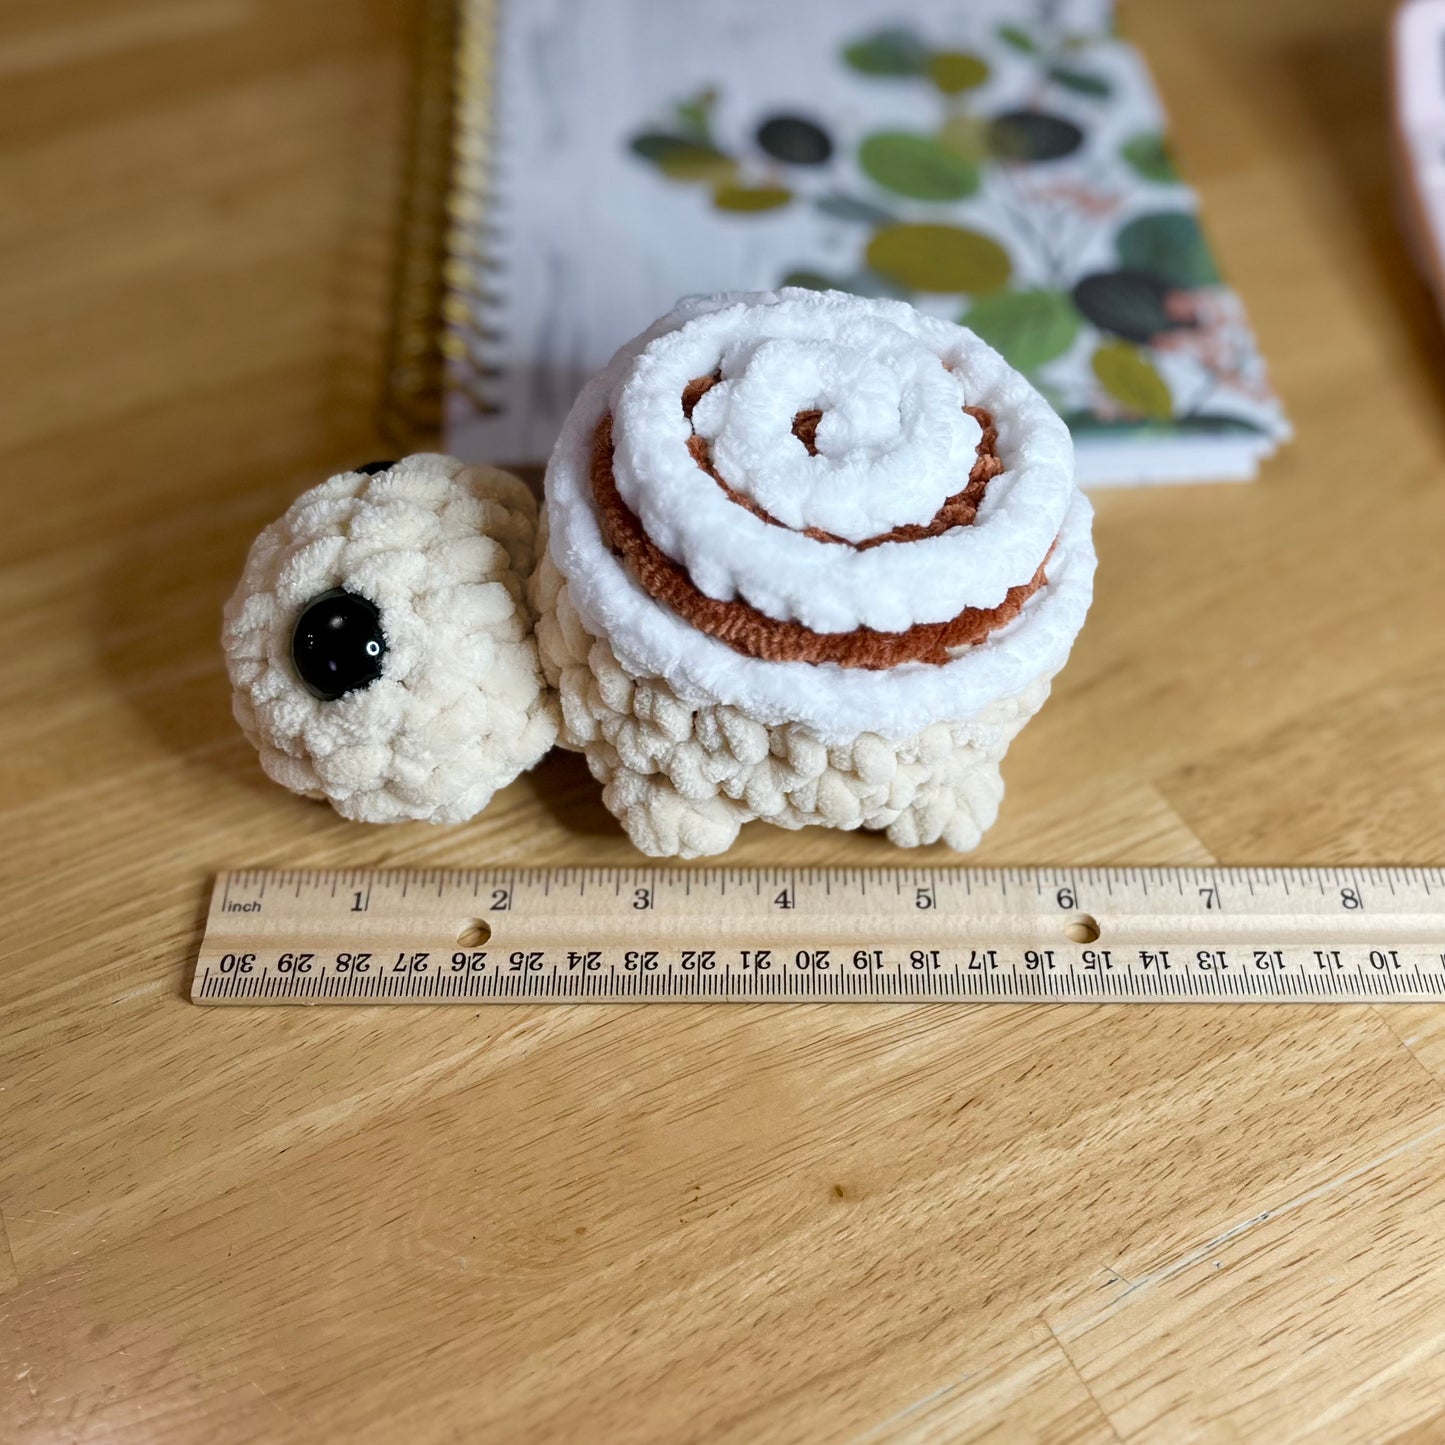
(1000, 163)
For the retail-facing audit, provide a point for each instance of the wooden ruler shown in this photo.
(1090, 935)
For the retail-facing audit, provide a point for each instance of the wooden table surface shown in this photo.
(770, 1223)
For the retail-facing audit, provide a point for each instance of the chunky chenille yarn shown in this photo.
(443, 550)
(683, 778)
(804, 557)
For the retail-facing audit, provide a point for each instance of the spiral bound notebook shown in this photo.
(1004, 163)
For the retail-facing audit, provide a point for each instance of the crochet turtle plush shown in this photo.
(803, 557)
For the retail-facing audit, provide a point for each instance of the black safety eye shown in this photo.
(372, 468)
(338, 644)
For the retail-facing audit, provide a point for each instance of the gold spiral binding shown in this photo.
(439, 298)
(468, 336)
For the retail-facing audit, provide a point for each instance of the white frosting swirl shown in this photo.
(1032, 506)
(894, 443)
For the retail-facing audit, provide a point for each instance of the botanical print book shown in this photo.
(1003, 164)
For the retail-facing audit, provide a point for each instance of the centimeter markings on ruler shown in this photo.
(1088, 935)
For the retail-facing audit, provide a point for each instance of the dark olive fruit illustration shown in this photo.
(795, 140)
(338, 645)
(1126, 303)
(1032, 135)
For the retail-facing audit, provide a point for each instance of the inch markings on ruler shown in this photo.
(1087, 935)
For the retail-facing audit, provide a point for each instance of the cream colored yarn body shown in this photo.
(682, 780)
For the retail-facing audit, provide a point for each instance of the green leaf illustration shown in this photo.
(894, 51)
(1148, 153)
(844, 207)
(695, 116)
(1081, 82)
(1127, 303)
(681, 159)
(1032, 135)
(917, 166)
(955, 71)
(940, 258)
(1132, 379)
(1030, 328)
(1171, 245)
(1017, 37)
(750, 198)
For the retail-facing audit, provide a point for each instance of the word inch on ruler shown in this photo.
(558, 935)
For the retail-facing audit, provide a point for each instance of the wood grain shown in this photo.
(749, 1224)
